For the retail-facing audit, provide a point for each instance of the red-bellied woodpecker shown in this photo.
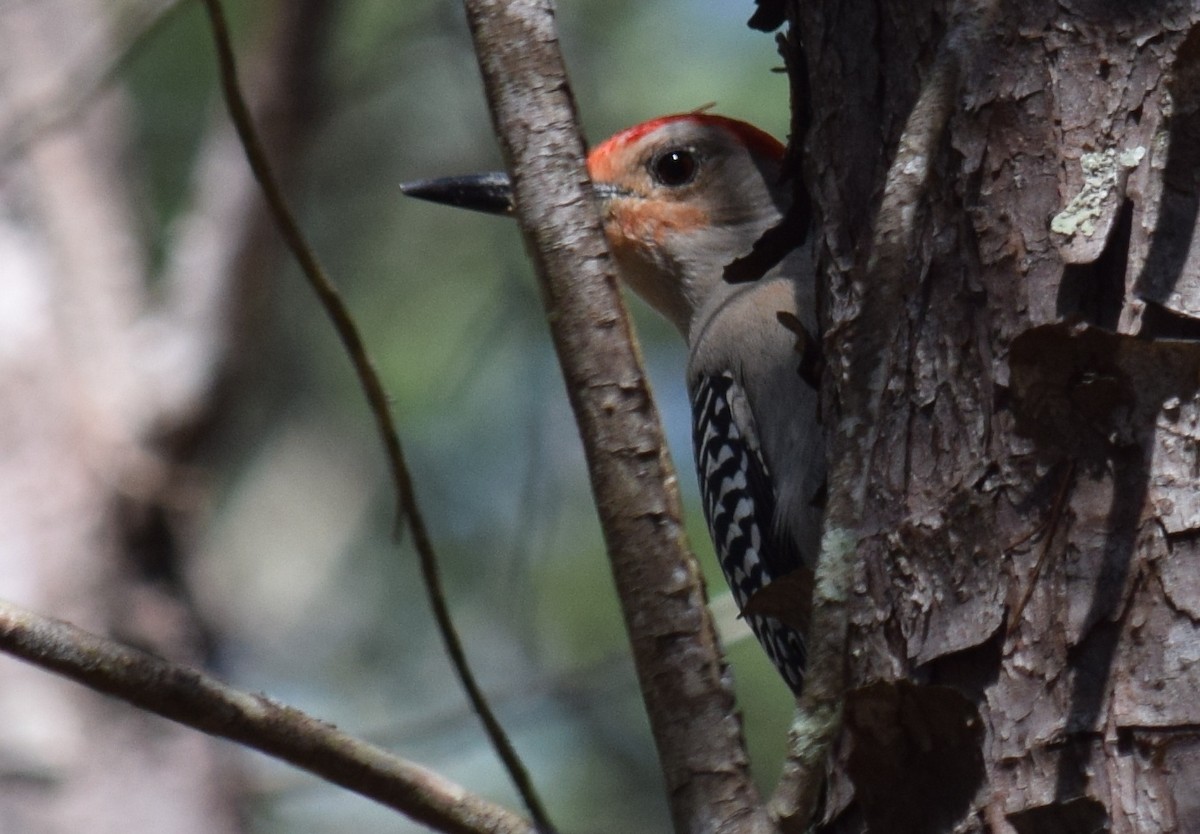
(684, 198)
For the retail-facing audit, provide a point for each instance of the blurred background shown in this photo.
(289, 559)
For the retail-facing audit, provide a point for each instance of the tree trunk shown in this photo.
(1024, 633)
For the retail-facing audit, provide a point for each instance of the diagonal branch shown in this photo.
(407, 510)
(189, 697)
(679, 665)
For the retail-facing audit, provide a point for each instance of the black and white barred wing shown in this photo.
(739, 504)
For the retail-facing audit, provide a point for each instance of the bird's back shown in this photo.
(759, 452)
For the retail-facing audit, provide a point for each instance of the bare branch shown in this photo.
(682, 675)
(407, 509)
(189, 697)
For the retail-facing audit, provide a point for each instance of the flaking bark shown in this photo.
(1023, 622)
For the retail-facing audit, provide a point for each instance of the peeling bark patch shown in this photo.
(1156, 679)
(1182, 762)
(1171, 271)
(909, 742)
(1084, 391)
(1096, 291)
(1173, 494)
(1075, 816)
(954, 600)
(1180, 573)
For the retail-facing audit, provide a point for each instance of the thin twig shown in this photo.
(196, 700)
(407, 509)
(682, 676)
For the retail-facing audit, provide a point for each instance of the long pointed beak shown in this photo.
(489, 193)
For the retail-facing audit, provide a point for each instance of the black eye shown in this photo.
(674, 168)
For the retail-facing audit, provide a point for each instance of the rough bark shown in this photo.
(1024, 613)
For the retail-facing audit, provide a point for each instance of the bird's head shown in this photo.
(681, 197)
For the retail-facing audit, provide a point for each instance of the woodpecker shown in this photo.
(685, 199)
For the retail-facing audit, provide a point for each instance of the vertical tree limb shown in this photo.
(683, 679)
(867, 361)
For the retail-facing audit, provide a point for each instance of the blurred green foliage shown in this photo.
(310, 598)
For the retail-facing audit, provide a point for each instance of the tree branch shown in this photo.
(189, 697)
(682, 675)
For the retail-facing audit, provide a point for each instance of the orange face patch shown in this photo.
(646, 223)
